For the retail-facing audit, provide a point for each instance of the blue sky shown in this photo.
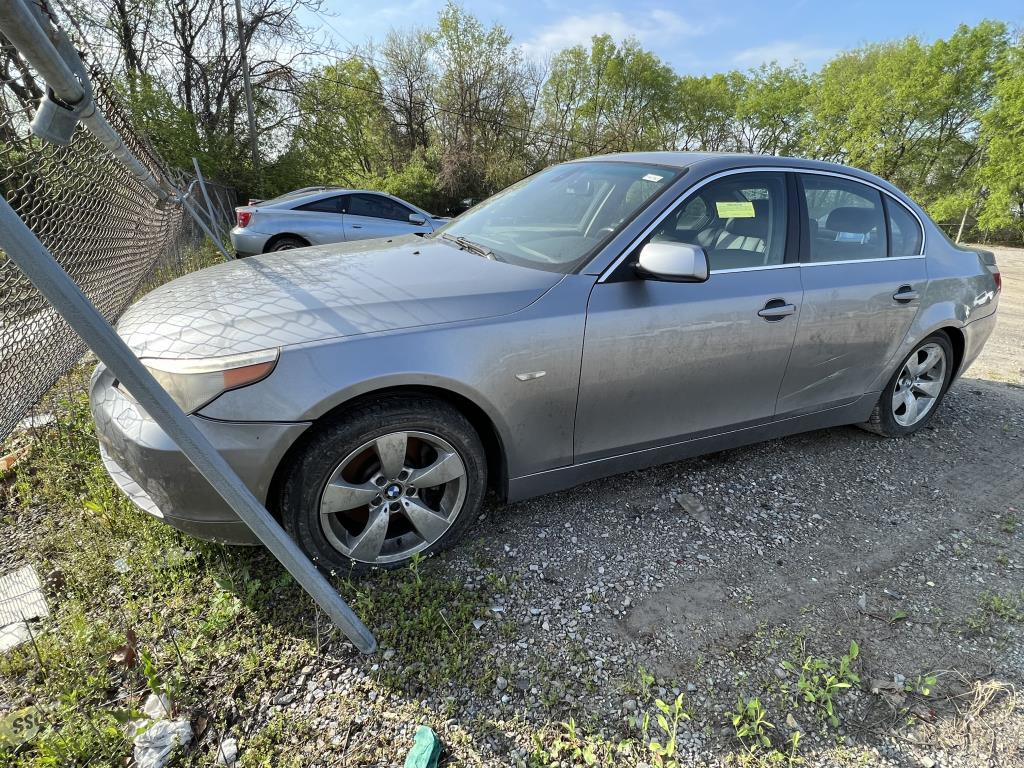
(695, 37)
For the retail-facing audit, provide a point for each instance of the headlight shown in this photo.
(195, 382)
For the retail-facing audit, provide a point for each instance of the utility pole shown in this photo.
(248, 88)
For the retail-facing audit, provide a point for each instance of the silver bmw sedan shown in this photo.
(603, 315)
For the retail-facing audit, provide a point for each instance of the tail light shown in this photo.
(244, 217)
(999, 281)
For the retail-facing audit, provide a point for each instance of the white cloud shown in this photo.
(650, 28)
(785, 52)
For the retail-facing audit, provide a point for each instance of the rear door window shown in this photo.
(846, 220)
(904, 230)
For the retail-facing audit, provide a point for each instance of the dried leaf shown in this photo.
(127, 655)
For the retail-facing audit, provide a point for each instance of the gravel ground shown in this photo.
(711, 572)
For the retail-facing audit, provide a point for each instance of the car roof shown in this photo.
(707, 163)
(318, 193)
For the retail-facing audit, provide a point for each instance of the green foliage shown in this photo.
(657, 745)
(341, 135)
(754, 733)
(458, 110)
(819, 681)
(662, 743)
(429, 624)
(910, 112)
(751, 725)
(1002, 131)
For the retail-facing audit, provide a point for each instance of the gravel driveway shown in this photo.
(710, 573)
(716, 579)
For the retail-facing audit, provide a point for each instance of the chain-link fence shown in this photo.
(103, 225)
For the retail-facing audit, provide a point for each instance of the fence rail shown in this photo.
(101, 222)
(104, 208)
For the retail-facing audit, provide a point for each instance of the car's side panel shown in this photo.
(365, 227)
(664, 360)
(522, 370)
(538, 483)
(960, 293)
(315, 227)
(849, 328)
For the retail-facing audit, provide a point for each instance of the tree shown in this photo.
(1002, 172)
(704, 114)
(481, 104)
(770, 105)
(908, 111)
(342, 128)
(608, 98)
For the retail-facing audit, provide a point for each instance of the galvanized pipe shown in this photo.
(22, 28)
(49, 52)
(36, 262)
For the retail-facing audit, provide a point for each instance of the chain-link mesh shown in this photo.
(99, 221)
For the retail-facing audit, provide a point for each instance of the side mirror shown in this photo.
(415, 218)
(673, 262)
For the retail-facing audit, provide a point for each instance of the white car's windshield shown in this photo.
(559, 217)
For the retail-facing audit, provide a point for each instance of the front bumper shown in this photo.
(246, 242)
(150, 469)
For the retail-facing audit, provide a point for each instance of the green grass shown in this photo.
(220, 624)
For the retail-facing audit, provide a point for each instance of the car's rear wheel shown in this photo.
(286, 244)
(914, 393)
(384, 482)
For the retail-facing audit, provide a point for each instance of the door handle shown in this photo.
(905, 294)
(356, 226)
(777, 309)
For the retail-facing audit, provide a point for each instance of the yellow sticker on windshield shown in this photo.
(731, 210)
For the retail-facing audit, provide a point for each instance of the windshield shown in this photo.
(557, 218)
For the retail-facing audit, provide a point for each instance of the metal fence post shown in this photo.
(56, 285)
(206, 194)
(217, 242)
(69, 100)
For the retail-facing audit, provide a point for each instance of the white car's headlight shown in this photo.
(195, 382)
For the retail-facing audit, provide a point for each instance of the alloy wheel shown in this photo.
(393, 496)
(919, 385)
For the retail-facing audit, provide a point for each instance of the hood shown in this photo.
(331, 291)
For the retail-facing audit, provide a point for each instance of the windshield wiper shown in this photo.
(469, 245)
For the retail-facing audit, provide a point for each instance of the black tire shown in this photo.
(883, 421)
(308, 472)
(286, 244)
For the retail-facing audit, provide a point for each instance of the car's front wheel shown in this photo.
(912, 396)
(383, 482)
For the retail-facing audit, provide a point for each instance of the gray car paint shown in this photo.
(635, 372)
(275, 219)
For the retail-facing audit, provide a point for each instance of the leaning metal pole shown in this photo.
(36, 262)
(50, 53)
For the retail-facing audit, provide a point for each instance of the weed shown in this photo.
(668, 716)
(428, 620)
(751, 725)
(923, 686)
(819, 681)
(657, 745)
(1004, 608)
(992, 607)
